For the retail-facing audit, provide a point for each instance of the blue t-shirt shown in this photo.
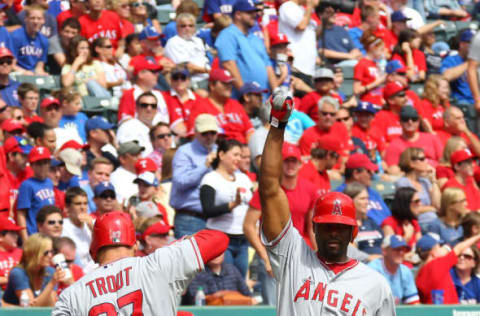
(468, 293)
(355, 34)
(18, 280)
(34, 194)
(336, 39)
(460, 88)
(402, 282)
(276, 70)
(29, 51)
(451, 235)
(5, 38)
(369, 237)
(248, 52)
(9, 93)
(218, 6)
(170, 30)
(206, 35)
(73, 182)
(55, 7)
(75, 122)
(92, 207)
(297, 124)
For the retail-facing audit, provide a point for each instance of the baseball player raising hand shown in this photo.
(309, 283)
(128, 285)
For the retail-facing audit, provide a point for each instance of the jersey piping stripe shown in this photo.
(279, 238)
(196, 254)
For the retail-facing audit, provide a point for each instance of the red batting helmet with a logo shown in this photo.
(112, 229)
(336, 208)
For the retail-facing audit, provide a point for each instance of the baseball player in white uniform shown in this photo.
(128, 285)
(309, 283)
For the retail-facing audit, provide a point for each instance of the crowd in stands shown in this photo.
(384, 112)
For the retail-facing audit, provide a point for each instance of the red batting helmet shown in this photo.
(337, 208)
(112, 228)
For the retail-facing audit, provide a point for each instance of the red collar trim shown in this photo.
(338, 267)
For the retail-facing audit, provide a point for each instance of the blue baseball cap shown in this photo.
(394, 242)
(17, 144)
(97, 122)
(364, 106)
(103, 187)
(244, 6)
(428, 241)
(55, 163)
(398, 16)
(251, 87)
(183, 71)
(149, 32)
(440, 48)
(148, 178)
(395, 66)
(467, 36)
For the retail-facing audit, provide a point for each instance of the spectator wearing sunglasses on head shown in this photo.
(50, 221)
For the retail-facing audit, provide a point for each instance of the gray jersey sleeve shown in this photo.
(474, 52)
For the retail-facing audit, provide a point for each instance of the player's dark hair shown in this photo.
(224, 145)
(145, 94)
(26, 87)
(45, 211)
(72, 193)
(72, 23)
(400, 207)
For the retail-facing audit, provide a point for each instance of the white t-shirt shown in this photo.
(114, 73)
(122, 180)
(230, 223)
(82, 236)
(134, 129)
(303, 44)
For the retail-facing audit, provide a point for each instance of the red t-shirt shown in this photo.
(398, 228)
(126, 27)
(319, 179)
(419, 61)
(371, 141)
(309, 103)
(31, 119)
(366, 71)
(77, 274)
(386, 126)
(435, 275)
(444, 172)
(471, 191)
(233, 122)
(389, 38)
(108, 25)
(444, 136)
(434, 114)
(311, 136)
(300, 200)
(16, 180)
(178, 111)
(429, 142)
(9, 259)
(413, 99)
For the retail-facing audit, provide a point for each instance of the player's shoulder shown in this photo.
(375, 278)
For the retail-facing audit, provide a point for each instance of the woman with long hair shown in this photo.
(140, 16)
(408, 52)
(435, 99)
(464, 276)
(225, 193)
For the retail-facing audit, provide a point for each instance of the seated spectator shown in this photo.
(66, 246)
(323, 83)
(444, 170)
(420, 176)
(398, 275)
(77, 9)
(5, 38)
(51, 115)
(132, 48)
(408, 52)
(104, 198)
(82, 72)
(454, 68)
(452, 210)
(58, 44)
(122, 178)
(362, 134)
(434, 282)
(99, 170)
(344, 117)
(251, 100)
(10, 253)
(152, 49)
(161, 138)
(462, 165)
(140, 18)
(209, 36)
(403, 221)
(370, 235)
(54, 175)
(30, 46)
(464, 276)
(73, 119)
(16, 150)
(368, 80)
(433, 57)
(8, 88)
(34, 274)
(245, 165)
(186, 48)
(279, 60)
(412, 137)
(123, 9)
(28, 96)
(399, 24)
(435, 99)
(99, 135)
(70, 168)
(50, 221)
(370, 20)
(155, 236)
(187, 6)
(49, 28)
(450, 9)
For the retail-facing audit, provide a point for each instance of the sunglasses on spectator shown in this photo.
(69, 261)
(186, 25)
(466, 256)
(328, 113)
(16, 132)
(162, 136)
(107, 196)
(419, 158)
(3, 109)
(137, 4)
(416, 201)
(60, 222)
(333, 154)
(177, 76)
(107, 46)
(48, 252)
(7, 61)
(125, 6)
(343, 119)
(211, 133)
(52, 108)
(146, 105)
(400, 94)
(406, 119)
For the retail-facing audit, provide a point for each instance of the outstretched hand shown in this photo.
(281, 103)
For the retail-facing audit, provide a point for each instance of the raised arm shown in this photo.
(275, 209)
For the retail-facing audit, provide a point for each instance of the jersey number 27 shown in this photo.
(135, 298)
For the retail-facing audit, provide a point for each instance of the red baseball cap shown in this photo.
(145, 164)
(140, 63)
(7, 224)
(49, 101)
(392, 88)
(11, 125)
(357, 161)
(5, 52)
(39, 153)
(329, 143)
(159, 228)
(461, 155)
(73, 144)
(290, 150)
(218, 74)
(279, 38)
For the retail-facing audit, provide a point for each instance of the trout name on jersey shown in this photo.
(345, 303)
(111, 283)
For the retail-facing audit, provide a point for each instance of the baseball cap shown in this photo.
(467, 36)
(218, 74)
(357, 160)
(279, 38)
(10, 125)
(150, 33)
(17, 144)
(141, 63)
(158, 228)
(394, 242)
(145, 164)
(398, 16)
(147, 177)
(130, 147)
(428, 241)
(147, 209)
(74, 144)
(395, 66)
(183, 71)
(323, 73)
(97, 122)
(251, 87)
(55, 163)
(7, 224)
(5, 52)
(408, 112)
(461, 155)
(244, 6)
(440, 48)
(365, 106)
(39, 153)
(206, 123)
(392, 88)
(72, 159)
(291, 150)
(47, 101)
(103, 187)
(329, 143)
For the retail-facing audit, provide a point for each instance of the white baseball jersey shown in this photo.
(135, 285)
(307, 286)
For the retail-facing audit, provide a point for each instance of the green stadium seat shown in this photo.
(347, 72)
(445, 31)
(106, 107)
(42, 82)
(385, 188)
(165, 13)
(335, 184)
(460, 25)
(417, 88)
(347, 87)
